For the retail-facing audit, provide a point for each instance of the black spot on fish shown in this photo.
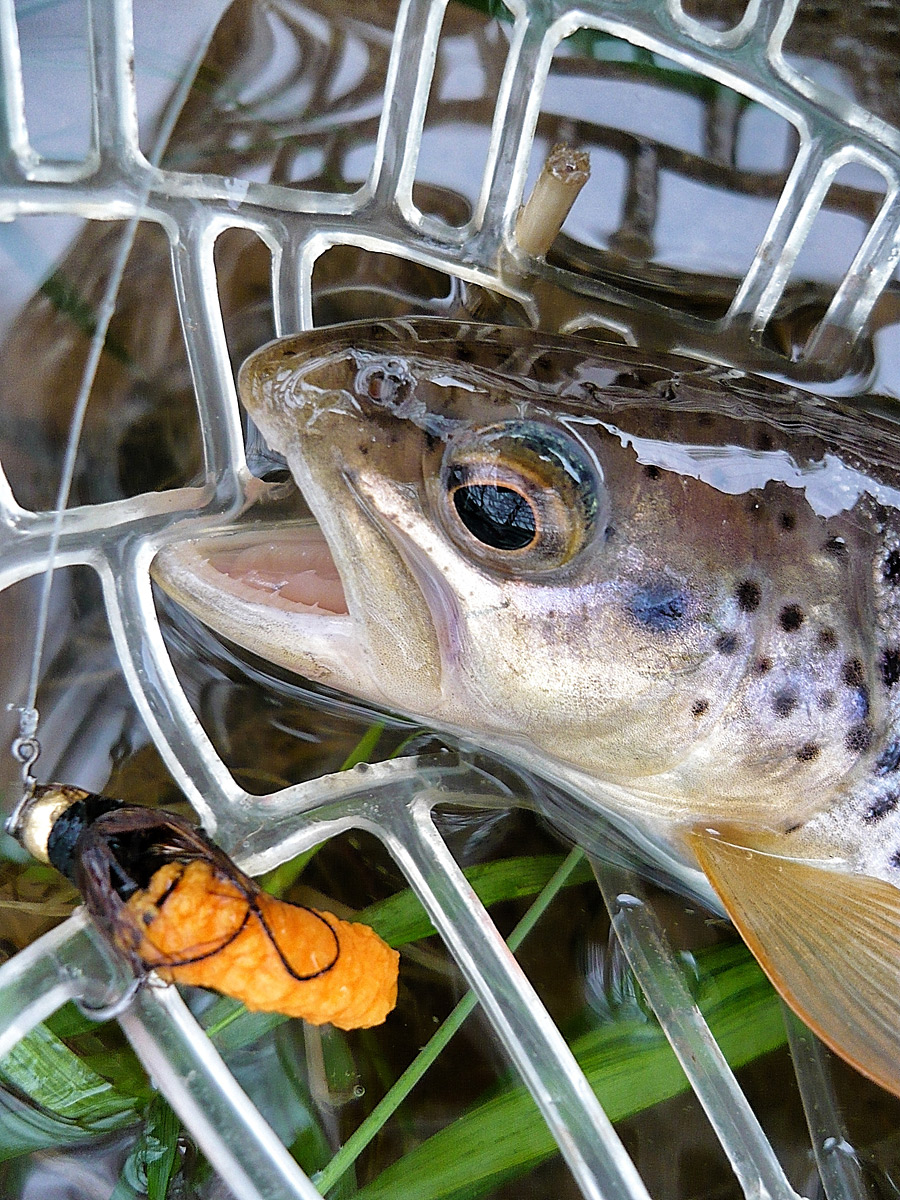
(764, 441)
(748, 595)
(464, 352)
(859, 737)
(853, 673)
(827, 638)
(787, 520)
(699, 707)
(891, 570)
(881, 807)
(889, 666)
(624, 379)
(784, 703)
(763, 665)
(854, 676)
(727, 643)
(652, 472)
(791, 618)
(542, 365)
(836, 546)
(826, 700)
(430, 440)
(889, 759)
(660, 607)
(808, 752)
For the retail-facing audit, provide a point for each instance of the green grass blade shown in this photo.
(160, 1140)
(629, 1065)
(277, 881)
(74, 1101)
(382, 1112)
(153, 1160)
(43, 1068)
(401, 918)
(364, 748)
(25, 1130)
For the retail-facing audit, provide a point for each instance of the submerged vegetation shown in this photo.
(66, 1085)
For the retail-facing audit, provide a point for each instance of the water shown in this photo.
(142, 435)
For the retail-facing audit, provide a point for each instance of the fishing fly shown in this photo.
(169, 900)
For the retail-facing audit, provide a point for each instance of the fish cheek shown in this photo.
(541, 662)
(355, 507)
(502, 669)
(516, 666)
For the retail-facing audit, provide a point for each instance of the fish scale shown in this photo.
(867, 824)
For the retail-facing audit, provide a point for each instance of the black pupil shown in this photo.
(498, 516)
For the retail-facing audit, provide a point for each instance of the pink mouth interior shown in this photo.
(301, 572)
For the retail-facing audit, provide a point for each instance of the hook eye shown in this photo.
(114, 1009)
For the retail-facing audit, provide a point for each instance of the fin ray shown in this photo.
(828, 939)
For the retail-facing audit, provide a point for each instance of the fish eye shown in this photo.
(497, 515)
(521, 495)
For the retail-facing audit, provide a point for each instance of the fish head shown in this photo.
(476, 532)
(456, 508)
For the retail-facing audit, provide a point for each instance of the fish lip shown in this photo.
(310, 641)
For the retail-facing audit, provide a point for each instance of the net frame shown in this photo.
(118, 540)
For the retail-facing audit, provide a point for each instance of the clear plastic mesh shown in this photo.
(377, 138)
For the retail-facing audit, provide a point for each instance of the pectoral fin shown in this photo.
(828, 939)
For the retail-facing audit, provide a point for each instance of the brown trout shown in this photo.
(670, 589)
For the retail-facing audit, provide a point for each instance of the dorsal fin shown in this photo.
(828, 939)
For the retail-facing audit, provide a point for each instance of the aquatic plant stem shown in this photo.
(564, 174)
(391, 1101)
(277, 881)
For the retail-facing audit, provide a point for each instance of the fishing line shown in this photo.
(26, 748)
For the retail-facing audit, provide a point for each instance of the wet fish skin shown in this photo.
(701, 637)
(710, 639)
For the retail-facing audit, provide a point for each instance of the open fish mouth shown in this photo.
(273, 589)
(290, 570)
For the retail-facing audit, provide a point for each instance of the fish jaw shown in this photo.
(383, 653)
(274, 591)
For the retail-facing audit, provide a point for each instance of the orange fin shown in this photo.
(828, 939)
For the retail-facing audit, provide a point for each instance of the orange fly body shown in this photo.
(170, 900)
